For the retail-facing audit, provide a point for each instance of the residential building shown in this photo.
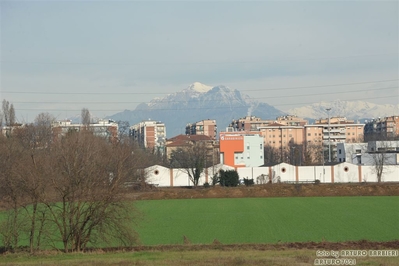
(204, 127)
(7, 131)
(248, 123)
(241, 150)
(365, 153)
(351, 152)
(104, 128)
(291, 120)
(337, 130)
(185, 141)
(280, 136)
(150, 135)
(253, 123)
(382, 128)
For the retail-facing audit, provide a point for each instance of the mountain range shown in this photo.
(223, 104)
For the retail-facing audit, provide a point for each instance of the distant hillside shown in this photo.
(196, 103)
(357, 110)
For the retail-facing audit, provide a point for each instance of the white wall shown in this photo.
(343, 173)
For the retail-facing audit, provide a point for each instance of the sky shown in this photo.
(108, 56)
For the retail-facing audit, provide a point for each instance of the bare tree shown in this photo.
(11, 163)
(123, 130)
(12, 115)
(1, 119)
(192, 159)
(272, 155)
(314, 153)
(380, 156)
(6, 112)
(88, 177)
(43, 124)
(75, 186)
(85, 116)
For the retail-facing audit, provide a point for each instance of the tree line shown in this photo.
(69, 191)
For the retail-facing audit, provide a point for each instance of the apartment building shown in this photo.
(280, 136)
(248, 123)
(241, 149)
(253, 123)
(103, 128)
(150, 135)
(382, 128)
(330, 133)
(204, 127)
(289, 131)
(291, 120)
(186, 141)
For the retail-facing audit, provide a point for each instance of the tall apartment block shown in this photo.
(203, 127)
(150, 135)
(382, 128)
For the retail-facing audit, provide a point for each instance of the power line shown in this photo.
(267, 97)
(144, 93)
(197, 63)
(194, 108)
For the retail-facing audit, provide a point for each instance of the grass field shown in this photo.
(244, 220)
(269, 220)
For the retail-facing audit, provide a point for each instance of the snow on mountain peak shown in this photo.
(199, 87)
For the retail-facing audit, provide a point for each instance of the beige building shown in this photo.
(185, 141)
(253, 123)
(291, 120)
(281, 136)
(339, 130)
(382, 128)
(204, 127)
(289, 131)
(248, 123)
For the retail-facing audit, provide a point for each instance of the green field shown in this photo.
(266, 220)
(269, 220)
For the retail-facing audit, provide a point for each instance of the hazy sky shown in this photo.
(108, 56)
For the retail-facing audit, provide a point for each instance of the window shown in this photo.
(260, 145)
(309, 134)
(339, 151)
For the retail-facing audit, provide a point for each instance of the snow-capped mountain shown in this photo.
(349, 109)
(195, 103)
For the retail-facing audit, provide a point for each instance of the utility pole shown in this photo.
(329, 143)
